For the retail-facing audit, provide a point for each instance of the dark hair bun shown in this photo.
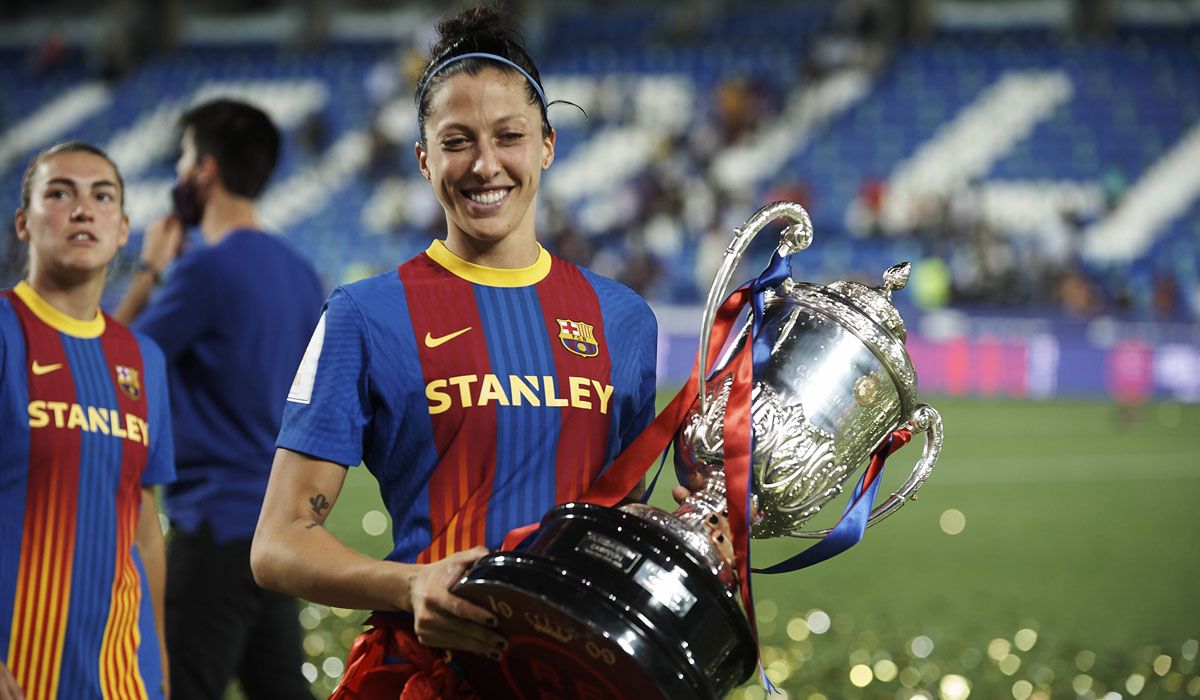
(485, 27)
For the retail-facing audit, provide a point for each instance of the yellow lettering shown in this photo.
(528, 390)
(76, 418)
(59, 408)
(439, 402)
(133, 427)
(604, 391)
(521, 391)
(114, 419)
(464, 382)
(38, 418)
(551, 399)
(145, 432)
(97, 420)
(492, 390)
(579, 392)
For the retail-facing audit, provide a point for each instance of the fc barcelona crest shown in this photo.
(578, 337)
(127, 379)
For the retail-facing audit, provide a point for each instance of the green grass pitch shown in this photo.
(1052, 554)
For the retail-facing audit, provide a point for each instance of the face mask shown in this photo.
(188, 207)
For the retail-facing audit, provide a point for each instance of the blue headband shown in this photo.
(537, 88)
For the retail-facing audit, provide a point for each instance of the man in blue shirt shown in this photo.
(233, 320)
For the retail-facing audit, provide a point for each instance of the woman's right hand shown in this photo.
(9, 690)
(442, 619)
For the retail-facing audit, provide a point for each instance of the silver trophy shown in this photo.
(638, 602)
(838, 382)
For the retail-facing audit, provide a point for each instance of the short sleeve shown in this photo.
(160, 463)
(328, 406)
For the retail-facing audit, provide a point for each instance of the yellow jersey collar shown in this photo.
(55, 318)
(490, 276)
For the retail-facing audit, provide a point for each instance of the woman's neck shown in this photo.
(79, 300)
(510, 253)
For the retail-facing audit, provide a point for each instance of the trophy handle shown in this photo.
(927, 419)
(794, 238)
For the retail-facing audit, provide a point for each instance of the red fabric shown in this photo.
(423, 675)
(737, 439)
(631, 465)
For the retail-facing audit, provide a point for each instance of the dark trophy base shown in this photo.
(606, 605)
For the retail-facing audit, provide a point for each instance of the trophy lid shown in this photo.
(876, 302)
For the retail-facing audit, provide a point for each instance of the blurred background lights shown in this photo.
(1193, 687)
(885, 670)
(309, 672)
(1010, 664)
(374, 523)
(314, 644)
(861, 675)
(778, 671)
(1081, 683)
(332, 666)
(970, 657)
(1190, 647)
(998, 649)
(1025, 639)
(1135, 683)
(766, 610)
(1173, 683)
(954, 687)
(309, 617)
(818, 621)
(1111, 696)
(1021, 690)
(1084, 660)
(909, 677)
(921, 646)
(1162, 664)
(952, 521)
(797, 629)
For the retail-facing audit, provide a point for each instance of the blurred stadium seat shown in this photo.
(1054, 175)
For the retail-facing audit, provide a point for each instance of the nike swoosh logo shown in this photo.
(431, 342)
(39, 370)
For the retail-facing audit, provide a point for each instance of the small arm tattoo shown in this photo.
(320, 505)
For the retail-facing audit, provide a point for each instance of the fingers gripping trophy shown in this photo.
(783, 409)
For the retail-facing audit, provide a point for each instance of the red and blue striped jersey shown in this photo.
(478, 397)
(84, 424)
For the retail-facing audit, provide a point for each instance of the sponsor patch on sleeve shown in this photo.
(306, 373)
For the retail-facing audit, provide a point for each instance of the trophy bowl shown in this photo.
(636, 602)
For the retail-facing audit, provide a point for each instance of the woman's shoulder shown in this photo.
(616, 295)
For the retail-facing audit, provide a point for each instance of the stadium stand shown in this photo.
(1041, 174)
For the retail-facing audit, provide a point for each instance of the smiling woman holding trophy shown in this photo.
(636, 602)
(482, 382)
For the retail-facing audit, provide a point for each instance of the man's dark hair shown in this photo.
(242, 139)
(66, 147)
